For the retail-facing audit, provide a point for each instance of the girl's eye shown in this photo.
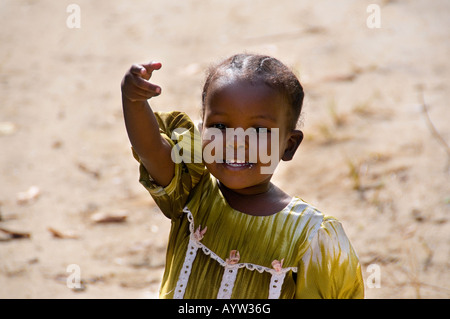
(262, 130)
(220, 126)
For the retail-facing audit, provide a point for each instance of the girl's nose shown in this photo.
(235, 145)
(235, 141)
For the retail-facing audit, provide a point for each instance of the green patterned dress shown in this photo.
(215, 251)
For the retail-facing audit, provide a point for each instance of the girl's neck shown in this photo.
(263, 200)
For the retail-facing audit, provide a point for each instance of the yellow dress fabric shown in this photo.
(318, 260)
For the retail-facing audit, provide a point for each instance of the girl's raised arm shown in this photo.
(142, 127)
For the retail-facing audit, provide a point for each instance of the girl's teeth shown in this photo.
(238, 163)
(235, 162)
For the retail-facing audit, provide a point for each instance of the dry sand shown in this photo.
(370, 156)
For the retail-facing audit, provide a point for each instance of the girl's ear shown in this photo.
(293, 143)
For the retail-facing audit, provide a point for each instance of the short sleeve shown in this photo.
(182, 134)
(330, 268)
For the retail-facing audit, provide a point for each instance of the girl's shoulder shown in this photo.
(317, 221)
(173, 119)
(169, 121)
(298, 207)
(306, 218)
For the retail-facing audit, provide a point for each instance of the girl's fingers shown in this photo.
(138, 69)
(147, 86)
(147, 93)
(149, 68)
(152, 66)
(145, 70)
(140, 95)
(136, 85)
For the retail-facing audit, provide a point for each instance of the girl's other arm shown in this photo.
(142, 127)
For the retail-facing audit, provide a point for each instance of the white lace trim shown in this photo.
(276, 282)
(227, 284)
(185, 272)
(230, 272)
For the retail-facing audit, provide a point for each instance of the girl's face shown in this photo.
(241, 104)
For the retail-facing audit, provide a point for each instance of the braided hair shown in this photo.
(257, 69)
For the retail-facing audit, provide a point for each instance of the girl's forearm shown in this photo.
(141, 125)
(143, 132)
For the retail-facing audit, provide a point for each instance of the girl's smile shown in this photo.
(238, 165)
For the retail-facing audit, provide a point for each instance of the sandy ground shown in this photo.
(370, 156)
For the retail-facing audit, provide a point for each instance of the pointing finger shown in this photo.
(149, 68)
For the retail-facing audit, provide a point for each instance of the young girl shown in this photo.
(234, 234)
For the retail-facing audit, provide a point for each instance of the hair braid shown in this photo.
(264, 68)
